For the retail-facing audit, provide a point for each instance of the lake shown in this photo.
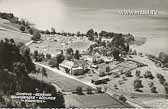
(81, 15)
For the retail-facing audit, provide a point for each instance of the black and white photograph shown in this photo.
(84, 54)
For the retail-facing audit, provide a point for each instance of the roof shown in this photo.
(97, 78)
(68, 64)
(73, 64)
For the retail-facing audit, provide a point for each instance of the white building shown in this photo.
(71, 68)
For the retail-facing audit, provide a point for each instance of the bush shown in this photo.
(153, 89)
(31, 31)
(128, 74)
(101, 74)
(99, 90)
(151, 84)
(137, 84)
(79, 90)
(115, 86)
(161, 78)
(122, 98)
(148, 74)
(138, 73)
(55, 61)
(107, 69)
(22, 28)
(2, 99)
(134, 52)
(163, 57)
(36, 36)
(166, 89)
(48, 56)
(89, 90)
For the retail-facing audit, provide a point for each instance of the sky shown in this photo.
(112, 4)
(107, 4)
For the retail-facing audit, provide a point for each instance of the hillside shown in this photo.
(11, 30)
(15, 65)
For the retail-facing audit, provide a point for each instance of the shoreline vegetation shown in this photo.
(16, 60)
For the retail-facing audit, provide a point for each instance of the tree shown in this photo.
(35, 55)
(148, 74)
(138, 73)
(166, 89)
(119, 40)
(116, 53)
(48, 56)
(69, 51)
(60, 58)
(43, 72)
(77, 55)
(138, 84)
(127, 48)
(23, 22)
(151, 84)
(122, 98)
(31, 31)
(79, 90)
(163, 57)
(153, 89)
(101, 74)
(115, 86)
(128, 74)
(90, 34)
(53, 31)
(103, 33)
(78, 34)
(55, 61)
(89, 90)
(20, 70)
(36, 36)
(47, 32)
(161, 78)
(96, 34)
(22, 28)
(108, 69)
(134, 52)
(99, 90)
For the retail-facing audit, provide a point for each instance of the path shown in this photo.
(29, 43)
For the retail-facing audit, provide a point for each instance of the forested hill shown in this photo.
(15, 65)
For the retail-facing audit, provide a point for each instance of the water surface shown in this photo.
(80, 15)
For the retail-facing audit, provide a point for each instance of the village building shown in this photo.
(72, 67)
(100, 80)
(107, 39)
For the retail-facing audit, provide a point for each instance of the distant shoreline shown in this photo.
(139, 41)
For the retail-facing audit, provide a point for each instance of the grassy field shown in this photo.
(126, 84)
(9, 30)
(85, 100)
(93, 100)
(66, 84)
(54, 44)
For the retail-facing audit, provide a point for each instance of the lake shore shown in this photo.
(150, 45)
